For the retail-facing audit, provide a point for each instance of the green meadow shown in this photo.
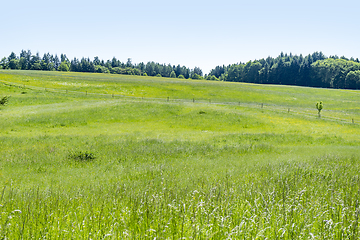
(100, 156)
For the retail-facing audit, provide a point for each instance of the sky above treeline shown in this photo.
(191, 33)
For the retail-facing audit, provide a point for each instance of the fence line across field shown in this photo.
(260, 105)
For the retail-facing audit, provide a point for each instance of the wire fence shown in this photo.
(306, 112)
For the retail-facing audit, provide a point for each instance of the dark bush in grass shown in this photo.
(4, 100)
(82, 156)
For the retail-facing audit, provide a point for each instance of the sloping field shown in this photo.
(112, 156)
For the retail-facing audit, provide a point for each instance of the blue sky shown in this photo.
(191, 33)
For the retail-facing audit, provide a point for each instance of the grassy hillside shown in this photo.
(111, 156)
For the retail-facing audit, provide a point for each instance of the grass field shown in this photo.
(100, 156)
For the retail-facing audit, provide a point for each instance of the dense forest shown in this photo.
(313, 70)
(49, 62)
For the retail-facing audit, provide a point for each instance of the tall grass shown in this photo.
(317, 198)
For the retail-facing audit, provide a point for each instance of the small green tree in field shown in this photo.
(319, 107)
(4, 100)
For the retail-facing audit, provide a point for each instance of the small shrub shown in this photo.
(64, 67)
(196, 76)
(158, 75)
(4, 100)
(82, 156)
(173, 74)
(202, 112)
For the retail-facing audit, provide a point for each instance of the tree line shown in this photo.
(49, 62)
(313, 70)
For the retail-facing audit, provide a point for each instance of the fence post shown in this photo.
(167, 98)
(288, 110)
(353, 121)
(193, 99)
(86, 92)
(262, 105)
